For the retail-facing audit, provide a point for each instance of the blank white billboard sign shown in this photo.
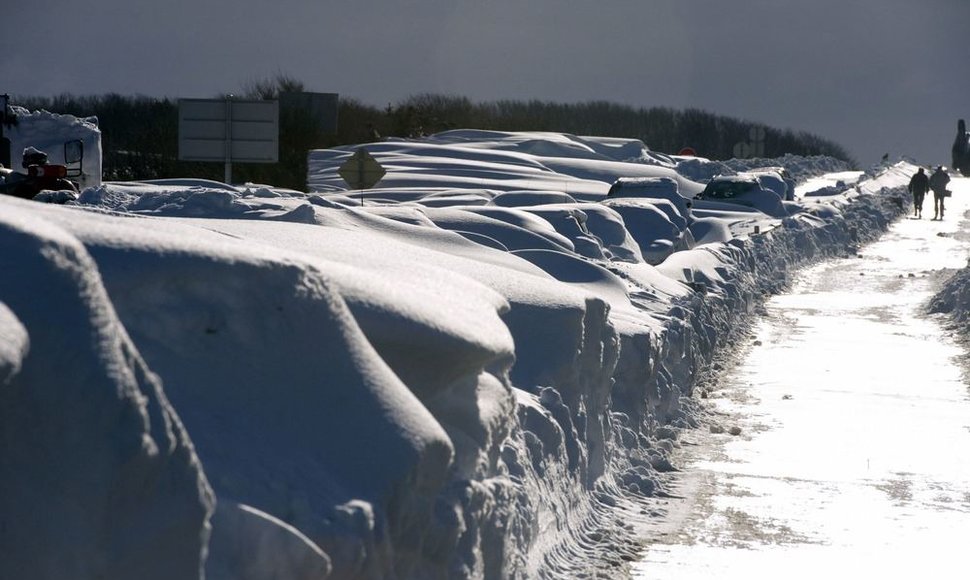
(228, 130)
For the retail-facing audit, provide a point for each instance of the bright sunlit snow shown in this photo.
(483, 367)
(854, 413)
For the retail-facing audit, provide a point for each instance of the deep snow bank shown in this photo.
(410, 390)
(98, 478)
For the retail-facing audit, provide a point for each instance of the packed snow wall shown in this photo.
(409, 390)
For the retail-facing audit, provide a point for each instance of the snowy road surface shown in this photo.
(855, 418)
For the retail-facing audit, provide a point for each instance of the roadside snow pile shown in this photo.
(954, 298)
(194, 197)
(799, 168)
(459, 389)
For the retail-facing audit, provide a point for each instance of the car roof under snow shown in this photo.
(735, 178)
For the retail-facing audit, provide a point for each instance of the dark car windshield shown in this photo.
(727, 189)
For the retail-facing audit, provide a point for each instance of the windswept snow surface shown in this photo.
(429, 385)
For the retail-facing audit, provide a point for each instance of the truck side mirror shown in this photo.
(73, 156)
(73, 152)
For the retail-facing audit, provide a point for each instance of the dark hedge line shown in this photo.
(140, 134)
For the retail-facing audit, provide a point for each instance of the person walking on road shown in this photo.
(938, 182)
(918, 186)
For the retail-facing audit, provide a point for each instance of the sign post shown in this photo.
(229, 130)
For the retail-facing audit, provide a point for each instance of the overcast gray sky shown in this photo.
(876, 76)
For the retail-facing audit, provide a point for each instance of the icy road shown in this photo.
(855, 418)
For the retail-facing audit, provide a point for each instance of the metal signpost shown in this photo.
(229, 130)
(361, 171)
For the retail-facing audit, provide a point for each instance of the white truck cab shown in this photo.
(67, 140)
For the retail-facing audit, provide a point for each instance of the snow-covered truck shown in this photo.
(70, 142)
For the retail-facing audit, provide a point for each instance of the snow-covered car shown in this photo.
(776, 179)
(743, 190)
(656, 188)
(662, 187)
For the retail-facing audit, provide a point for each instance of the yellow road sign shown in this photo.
(361, 171)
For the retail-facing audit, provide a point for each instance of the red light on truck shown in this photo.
(51, 171)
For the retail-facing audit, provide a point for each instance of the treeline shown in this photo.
(662, 129)
(140, 134)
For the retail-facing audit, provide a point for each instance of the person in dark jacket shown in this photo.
(918, 186)
(938, 182)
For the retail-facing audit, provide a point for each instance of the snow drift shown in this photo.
(98, 478)
(431, 385)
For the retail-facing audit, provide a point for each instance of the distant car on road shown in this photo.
(744, 190)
